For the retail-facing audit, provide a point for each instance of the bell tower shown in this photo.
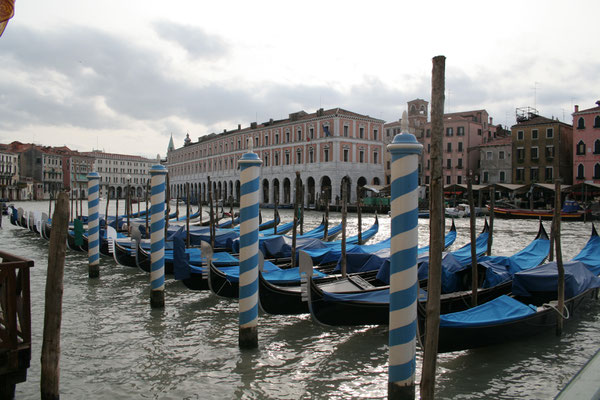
(418, 110)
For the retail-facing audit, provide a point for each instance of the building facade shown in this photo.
(9, 176)
(119, 171)
(541, 148)
(586, 145)
(496, 161)
(326, 147)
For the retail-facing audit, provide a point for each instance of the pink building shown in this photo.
(586, 145)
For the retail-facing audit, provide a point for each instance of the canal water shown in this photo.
(114, 346)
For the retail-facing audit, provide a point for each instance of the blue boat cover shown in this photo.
(373, 296)
(281, 229)
(544, 278)
(501, 268)
(500, 310)
(271, 273)
(590, 254)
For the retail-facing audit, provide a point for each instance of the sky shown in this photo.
(124, 75)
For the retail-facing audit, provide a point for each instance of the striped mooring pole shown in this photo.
(250, 175)
(157, 236)
(93, 225)
(404, 285)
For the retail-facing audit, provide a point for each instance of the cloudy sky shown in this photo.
(123, 75)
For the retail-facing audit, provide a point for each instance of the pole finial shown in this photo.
(404, 122)
(250, 145)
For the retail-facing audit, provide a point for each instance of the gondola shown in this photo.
(276, 299)
(529, 309)
(495, 276)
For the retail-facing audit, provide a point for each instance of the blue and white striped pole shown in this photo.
(404, 285)
(93, 225)
(250, 175)
(157, 236)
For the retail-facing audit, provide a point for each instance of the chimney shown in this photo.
(598, 103)
(491, 121)
(253, 125)
(239, 127)
(576, 108)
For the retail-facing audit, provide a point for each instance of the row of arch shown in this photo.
(275, 190)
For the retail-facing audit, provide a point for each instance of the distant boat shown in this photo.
(570, 212)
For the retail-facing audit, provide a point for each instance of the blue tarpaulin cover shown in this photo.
(544, 278)
(501, 309)
(590, 254)
(374, 296)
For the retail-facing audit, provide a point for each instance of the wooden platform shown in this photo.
(15, 322)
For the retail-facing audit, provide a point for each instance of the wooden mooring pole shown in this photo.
(50, 376)
(474, 277)
(249, 259)
(187, 214)
(359, 213)
(492, 207)
(295, 229)
(559, 261)
(343, 260)
(436, 231)
(404, 284)
(212, 217)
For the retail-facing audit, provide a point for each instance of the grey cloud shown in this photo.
(195, 41)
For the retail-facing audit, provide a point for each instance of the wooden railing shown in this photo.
(15, 316)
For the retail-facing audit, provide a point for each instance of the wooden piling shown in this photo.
(211, 215)
(559, 261)
(128, 210)
(117, 210)
(167, 203)
(187, 214)
(359, 213)
(474, 275)
(231, 211)
(325, 231)
(106, 212)
(275, 213)
(296, 208)
(492, 207)
(147, 191)
(436, 231)
(50, 376)
(344, 212)
(302, 208)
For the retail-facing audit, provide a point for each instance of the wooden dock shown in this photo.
(15, 322)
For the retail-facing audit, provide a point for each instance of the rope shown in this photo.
(550, 305)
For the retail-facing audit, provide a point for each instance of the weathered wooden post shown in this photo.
(167, 202)
(231, 211)
(326, 197)
(187, 214)
(93, 225)
(106, 211)
(128, 207)
(117, 211)
(404, 285)
(275, 214)
(147, 234)
(436, 231)
(302, 210)
(474, 277)
(249, 178)
(344, 218)
(50, 377)
(296, 207)
(492, 207)
(200, 202)
(157, 237)
(559, 261)
(359, 213)
(211, 227)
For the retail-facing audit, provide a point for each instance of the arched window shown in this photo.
(597, 121)
(580, 148)
(580, 123)
(597, 146)
(597, 171)
(580, 172)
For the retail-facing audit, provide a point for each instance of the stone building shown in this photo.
(326, 146)
(541, 147)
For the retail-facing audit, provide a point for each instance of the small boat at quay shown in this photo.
(571, 211)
